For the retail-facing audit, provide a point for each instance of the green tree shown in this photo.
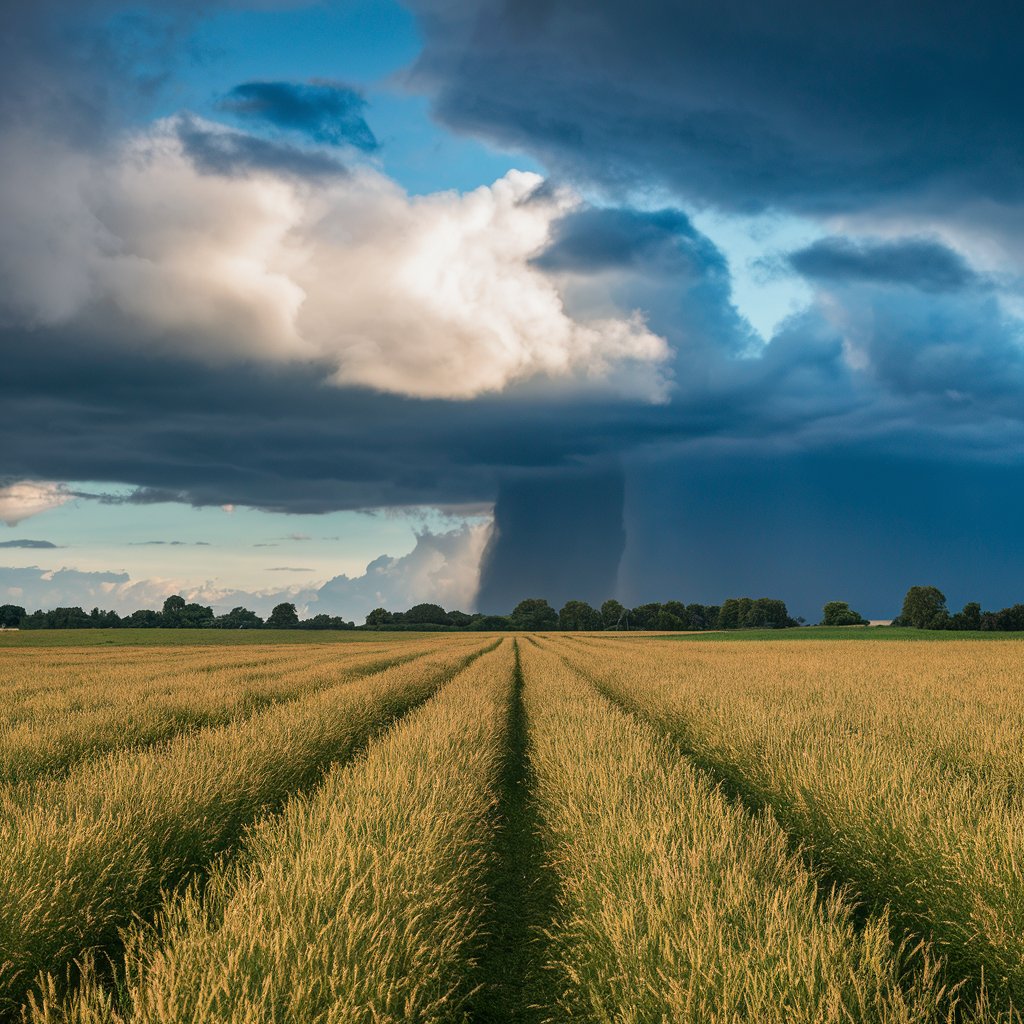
(430, 613)
(666, 620)
(11, 615)
(839, 613)
(534, 613)
(104, 620)
(238, 618)
(144, 618)
(325, 621)
(613, 615)
(645, 616)
(379, 617)
(924, 608)
(488, 623)
(578, 615)
(283, 616)
(172, 617)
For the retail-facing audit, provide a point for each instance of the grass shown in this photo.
(845, 633)
(361, 903)
(520, 891)
(901, 777)
(676, 905)
(79, 857)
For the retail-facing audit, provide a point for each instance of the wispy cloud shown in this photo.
(21, 543)
(170, 543)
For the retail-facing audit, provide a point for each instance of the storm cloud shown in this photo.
(256, 314)
(326, 112)
(808, 106)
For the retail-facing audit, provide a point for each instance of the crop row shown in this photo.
(88, 852)
(361, 902)
(552, 836)
(900, 775)
(120, 714)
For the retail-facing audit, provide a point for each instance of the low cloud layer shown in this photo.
(442, 567)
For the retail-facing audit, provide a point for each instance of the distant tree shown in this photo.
(924, 608)
(839, 613)
(324, 621)
(11, 615)
(666, 620)
(283, 616)
(613, 615)
(968, 618)
(379, 617)
(429, 613)
(461, 619)
(58, 618)
(645, 616)
(144, 618)
(699, 616)
(104, 620)
(1010, 619)
(578, 615)
(238, 618)
(171, 616)
(746, 613)
(534, 613)
(678, 611)
(734, 610)
(488, 623)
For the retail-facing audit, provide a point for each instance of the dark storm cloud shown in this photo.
(601, 238)
(218, 151)
(920, 263)
(560, 538)
(656, 261)
(805, 105)
(326, 112)
(40, 544)
(848, 524)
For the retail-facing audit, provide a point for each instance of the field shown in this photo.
(513, 828)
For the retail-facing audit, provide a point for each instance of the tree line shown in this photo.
(530, 614)
(923, 608)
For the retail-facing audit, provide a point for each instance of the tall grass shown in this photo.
(119, 711)
(88, 852)
(676, 905)
(899, 769)
(361, 903)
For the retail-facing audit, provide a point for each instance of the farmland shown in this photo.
(525, 828)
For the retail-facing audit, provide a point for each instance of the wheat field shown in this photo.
(465, 828)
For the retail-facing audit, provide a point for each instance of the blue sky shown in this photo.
(369, 273)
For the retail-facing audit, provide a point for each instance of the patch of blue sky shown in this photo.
(241, 548)
(764, 289)
(363, 43)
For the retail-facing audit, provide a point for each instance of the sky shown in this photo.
(359, 302)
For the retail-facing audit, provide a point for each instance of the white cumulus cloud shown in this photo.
(428, 296)
(25, 498)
